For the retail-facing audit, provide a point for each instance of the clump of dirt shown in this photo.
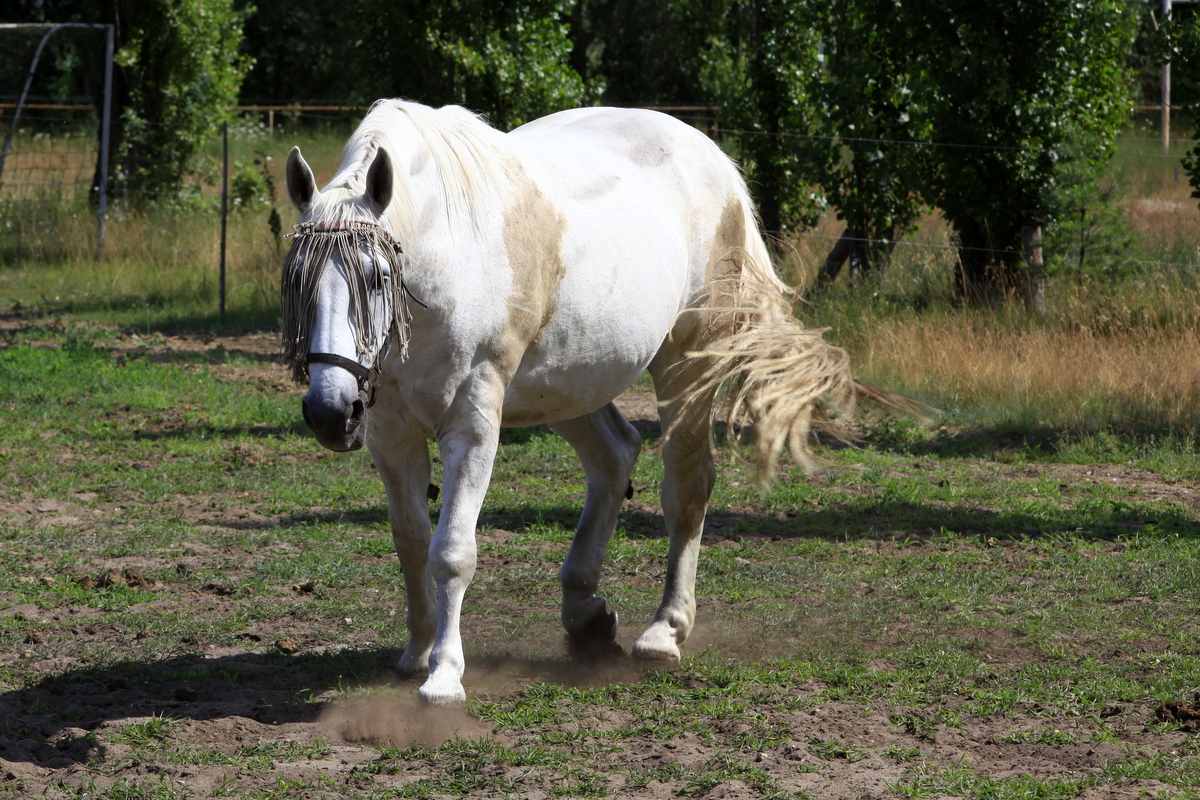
(112, 577)
(288, 645)
(1178, 711)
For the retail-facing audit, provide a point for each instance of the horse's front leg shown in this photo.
(468, 449)
(401, 456)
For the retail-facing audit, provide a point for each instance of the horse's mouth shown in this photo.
(352, 442)
(340, 433)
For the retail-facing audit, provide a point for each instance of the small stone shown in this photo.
(288, 646)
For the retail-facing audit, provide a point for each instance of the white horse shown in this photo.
(483, 280)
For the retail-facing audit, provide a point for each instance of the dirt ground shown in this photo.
(61, 732)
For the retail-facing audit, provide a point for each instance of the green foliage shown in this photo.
(1016, 124)
(1182, 47)
(251, 184)
(1090, 239)
(870, 107)
(181, 72)
(509, 60)
(511, 63)
(759, 64)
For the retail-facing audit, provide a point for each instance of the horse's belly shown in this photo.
(537, 397)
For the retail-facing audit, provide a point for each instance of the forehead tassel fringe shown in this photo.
(313, 245)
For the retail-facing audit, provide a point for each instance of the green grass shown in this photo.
(984, 584)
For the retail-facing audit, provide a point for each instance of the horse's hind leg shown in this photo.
(689, 475)
(608, 446)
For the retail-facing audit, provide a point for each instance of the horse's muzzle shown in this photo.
(338, 426)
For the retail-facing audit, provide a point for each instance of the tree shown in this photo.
(1181, 46)
(1020, 91)
(759, 63)
(872, 109)
(506, 58)
(641, 52)
(180, 73)
(301, 51)
(177, 75)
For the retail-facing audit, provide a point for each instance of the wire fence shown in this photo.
(54, 155)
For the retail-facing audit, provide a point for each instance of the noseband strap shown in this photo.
(368, 377)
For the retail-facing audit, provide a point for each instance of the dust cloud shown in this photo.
(398, 721)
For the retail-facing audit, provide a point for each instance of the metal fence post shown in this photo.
(105, 123)
(224, 210)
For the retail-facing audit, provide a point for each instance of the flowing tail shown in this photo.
(784, 379)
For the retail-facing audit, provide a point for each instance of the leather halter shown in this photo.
(368, 377)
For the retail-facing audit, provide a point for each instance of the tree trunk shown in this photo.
(883, 256)
(773, 102)
(1035, 273)
(987, 270)
(860, 259)
(865, 257)
(837, 256)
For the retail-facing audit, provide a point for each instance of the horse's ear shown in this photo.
(379, 180)
(301, 184)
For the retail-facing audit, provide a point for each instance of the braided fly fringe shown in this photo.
(313, 246)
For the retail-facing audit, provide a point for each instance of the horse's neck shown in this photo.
(447, 232)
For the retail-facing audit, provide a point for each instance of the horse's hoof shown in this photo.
(589, 621)
(602, 627)
(598, 640)
(413, 666)
(659, 652)
(408, 673)
(442, 694)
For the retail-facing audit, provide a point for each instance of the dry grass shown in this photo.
(157, 261)
(1122, 356)
(1053, 375)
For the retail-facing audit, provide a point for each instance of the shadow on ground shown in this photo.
(46, 724)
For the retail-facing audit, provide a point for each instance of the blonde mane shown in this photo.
(467, 154)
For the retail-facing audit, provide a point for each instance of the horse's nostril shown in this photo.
(304, 413)
(356, 415)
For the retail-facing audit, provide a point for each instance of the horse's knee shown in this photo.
(452, 563)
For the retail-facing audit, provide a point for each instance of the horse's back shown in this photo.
(642, 146)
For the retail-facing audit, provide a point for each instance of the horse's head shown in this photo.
(343, 302)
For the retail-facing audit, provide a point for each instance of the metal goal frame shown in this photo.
(106, 116)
